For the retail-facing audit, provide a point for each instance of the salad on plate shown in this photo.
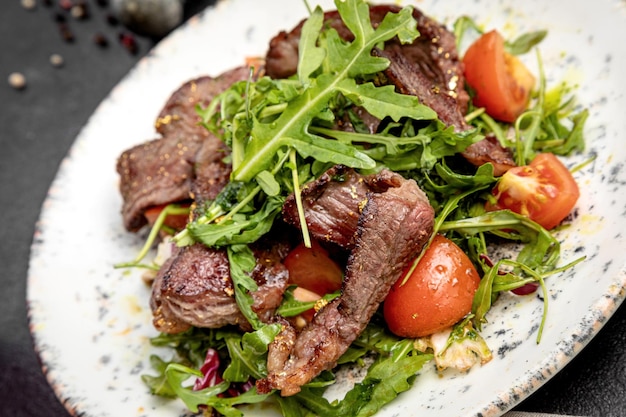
(349, 207)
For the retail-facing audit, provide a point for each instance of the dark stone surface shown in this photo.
(38, 125)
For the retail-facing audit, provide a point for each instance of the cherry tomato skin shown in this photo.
(544, 191)
(502, 83)
(436, 295)
(313, 269)
(176, 222)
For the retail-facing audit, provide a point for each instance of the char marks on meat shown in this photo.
(162, 171)
(395, 223)
(194, 288)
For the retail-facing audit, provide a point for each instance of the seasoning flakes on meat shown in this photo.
(162, 171)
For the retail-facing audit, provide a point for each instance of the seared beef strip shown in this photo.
(150, 176)
(332, 206)
(211, 172)
(179, 117)
(408, 78)
(161, 171)
(405, 74)
(194, 288)
(395, 224)
(490, 150)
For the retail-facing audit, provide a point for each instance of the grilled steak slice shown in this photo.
(429, 67)
(150, 176)
(193, 285)
(211, 171)
(407, 76)
(490, 150)
(161, 171)
(179, 118)
(194, 288)
(394, 226)
(332, 206)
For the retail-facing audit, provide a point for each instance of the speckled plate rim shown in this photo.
(96, 372)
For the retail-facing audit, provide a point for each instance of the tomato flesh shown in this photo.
(313, 269)
(502, 83)
(438, 294)
(544, 191)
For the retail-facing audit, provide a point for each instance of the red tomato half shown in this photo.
(501, 81)
(544, 191)
(438, 293)
(312, 269)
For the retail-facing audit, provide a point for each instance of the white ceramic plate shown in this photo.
(91, 323)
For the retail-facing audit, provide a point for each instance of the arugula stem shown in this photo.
(450, 206)
(298, 196)
(496, 129)
(273, 110)
(583, 164)
(474, 114)
(171, 209)
(536, 114)
(238, 146)
(184, 239)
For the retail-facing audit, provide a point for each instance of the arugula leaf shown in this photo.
(240, 229)
(159, 384)
(227, 405)
(177, 375)
(521, 45)
(291, 307)
(248, 353)
(541, 250)
(410, 150)
(384, 381)
(525, 42)
(242, 262)
(450, 182)
(310, 56)
(323, 76)
(292, 406)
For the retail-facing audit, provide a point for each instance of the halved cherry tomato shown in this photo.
(176, 222)
(501, 81)
(313, 269)
(436, 295)
(544, 191)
